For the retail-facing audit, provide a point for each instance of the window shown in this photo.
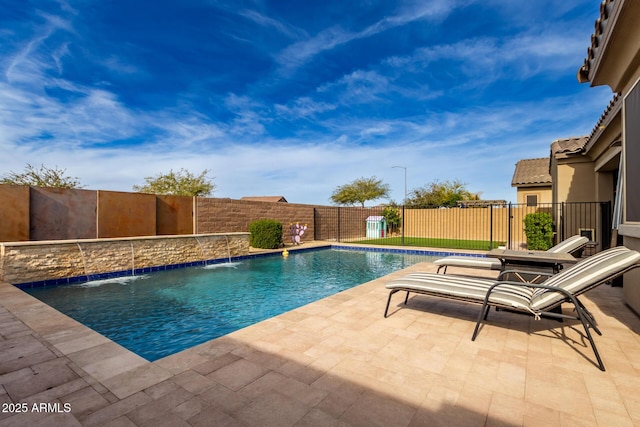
(532, 200)
(631, 118)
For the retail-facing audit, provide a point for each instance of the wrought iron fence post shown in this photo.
(509, 218)
(338, 224)
(491, 227)
(606, 222)
(561, 222)
(402, 235)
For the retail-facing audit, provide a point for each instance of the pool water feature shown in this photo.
(161, 313)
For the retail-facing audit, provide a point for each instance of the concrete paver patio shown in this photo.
(335, 362)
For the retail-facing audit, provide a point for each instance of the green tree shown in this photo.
(391, 213)
(42, 177)
(439, 194)
(181, 183)
(359, 191)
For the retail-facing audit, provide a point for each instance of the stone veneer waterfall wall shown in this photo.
(40, 261)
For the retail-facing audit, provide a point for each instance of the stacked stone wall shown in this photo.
(25, 262)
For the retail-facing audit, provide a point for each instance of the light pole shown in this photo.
(404, 202)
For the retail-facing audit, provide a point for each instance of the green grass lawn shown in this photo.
(434, 243)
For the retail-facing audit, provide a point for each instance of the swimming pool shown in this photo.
(161, 313)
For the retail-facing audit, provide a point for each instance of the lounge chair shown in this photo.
(570, 245)
(539, 300)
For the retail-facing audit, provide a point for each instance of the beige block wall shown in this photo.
(23, 262)
(228, 215)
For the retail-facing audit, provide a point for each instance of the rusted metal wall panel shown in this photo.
(126, 214)
(62, 213)
(14, 213)
(174, 215)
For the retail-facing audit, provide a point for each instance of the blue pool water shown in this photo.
(161, 313)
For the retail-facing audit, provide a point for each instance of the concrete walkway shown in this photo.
(335, 362)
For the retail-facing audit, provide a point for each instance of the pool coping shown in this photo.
(120, 370)
(332, 361)
(117, 368)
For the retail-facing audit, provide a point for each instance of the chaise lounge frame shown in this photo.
(571, 245)
(539, 300)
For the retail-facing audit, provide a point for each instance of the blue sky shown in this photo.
(293, 98)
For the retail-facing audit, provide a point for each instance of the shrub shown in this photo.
(539, 230)
(392, 216)
(265, 234)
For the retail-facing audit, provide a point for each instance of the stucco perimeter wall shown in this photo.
(23, 262)
(228, 215)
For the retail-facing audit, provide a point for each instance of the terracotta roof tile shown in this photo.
(596, 38)
(612, 109)
(562, 148)
(532, 172)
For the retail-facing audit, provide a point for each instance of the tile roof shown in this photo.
(532, 172)
(615, 105)
(596, 39)
(562, 148)
(265, 199)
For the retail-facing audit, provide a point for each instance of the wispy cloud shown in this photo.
(487, 57)
(279, 116)
(304, 107)
(302, 52)
(271, 23)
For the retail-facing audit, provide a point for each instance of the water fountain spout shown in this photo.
(228, 248)
(84, 263)
(133, 261)
(201, 248)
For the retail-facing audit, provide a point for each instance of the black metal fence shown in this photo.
(479, 228)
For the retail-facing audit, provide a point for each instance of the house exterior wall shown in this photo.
(545, 194)
(614, 60)
(575, 182)
(630, 290)
(605, 185)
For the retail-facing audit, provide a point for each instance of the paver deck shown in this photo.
(335, 362)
